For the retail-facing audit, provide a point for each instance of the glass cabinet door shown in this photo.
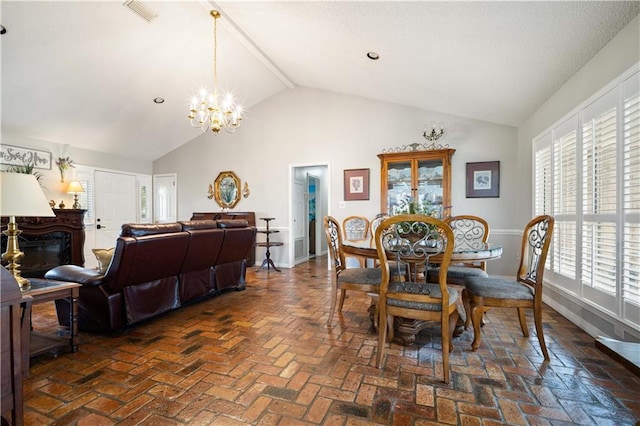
(399, 185)
(430, 183)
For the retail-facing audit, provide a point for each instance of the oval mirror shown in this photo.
(226, 189)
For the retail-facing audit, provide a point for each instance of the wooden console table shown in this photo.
(12, 304)
(38, 343)
(267, 260)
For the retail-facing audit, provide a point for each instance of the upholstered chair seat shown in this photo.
(423, 289)
(367, 276)
(456, 274)
(499, 288)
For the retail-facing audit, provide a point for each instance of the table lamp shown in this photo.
(22, 196)
(74, 188)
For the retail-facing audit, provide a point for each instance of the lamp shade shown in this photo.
(74, 187)
(22, 196)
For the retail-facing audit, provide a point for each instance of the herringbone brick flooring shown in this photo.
(265, 357)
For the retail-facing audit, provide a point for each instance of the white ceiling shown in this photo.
(86, 73)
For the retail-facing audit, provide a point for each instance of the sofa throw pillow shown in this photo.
(104, 258)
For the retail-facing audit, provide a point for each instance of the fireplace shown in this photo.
(48, 242)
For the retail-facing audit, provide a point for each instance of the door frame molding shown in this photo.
(292, 167)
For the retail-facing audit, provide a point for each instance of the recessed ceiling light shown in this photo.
(373, 56)
(159, 100)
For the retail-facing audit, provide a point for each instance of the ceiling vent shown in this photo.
(140, 9)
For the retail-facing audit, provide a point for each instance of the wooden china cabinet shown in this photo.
(418, 175)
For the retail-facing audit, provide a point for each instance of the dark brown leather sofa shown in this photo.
(157, 268)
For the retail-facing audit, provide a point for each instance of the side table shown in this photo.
(35, 343)
(267, 260)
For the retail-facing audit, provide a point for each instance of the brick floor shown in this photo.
(264, 356)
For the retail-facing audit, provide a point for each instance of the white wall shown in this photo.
(613, 59)
(86, 161)
(307, 126)
(616, 57)
(52, 186)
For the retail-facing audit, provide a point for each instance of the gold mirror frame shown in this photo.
(226, 190)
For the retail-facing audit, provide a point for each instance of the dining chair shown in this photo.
(525, 292)
(469, 232)
(356, 228)
(407, 242)
(373, 225)
(366, 280)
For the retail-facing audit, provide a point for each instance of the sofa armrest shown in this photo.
(76, 274)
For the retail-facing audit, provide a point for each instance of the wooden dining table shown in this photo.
(488, 251)
(406, 329)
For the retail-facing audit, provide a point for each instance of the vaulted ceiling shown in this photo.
(86, 73)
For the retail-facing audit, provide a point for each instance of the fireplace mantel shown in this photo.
(68, 221)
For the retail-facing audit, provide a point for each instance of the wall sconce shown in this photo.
(433, 132)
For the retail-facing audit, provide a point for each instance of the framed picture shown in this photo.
(483, 179)
(356, 184)
(16, 156)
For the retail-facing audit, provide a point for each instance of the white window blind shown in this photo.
(542, 176)
(592, 159)
(599, 190)
(565, 198)
(86, 200)
(631, 194)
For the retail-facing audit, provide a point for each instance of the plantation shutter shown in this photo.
(594, 160)
(599, 188)
(565, 197)
(542, 175)
(630, 270)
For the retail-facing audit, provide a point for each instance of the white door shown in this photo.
(165, 208)
(115, 204)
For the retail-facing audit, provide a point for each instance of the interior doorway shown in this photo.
(165, 197)
(313, 188)
(309, 205)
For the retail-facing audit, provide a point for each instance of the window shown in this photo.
(84, 175)
(86, 200)
(587, 174)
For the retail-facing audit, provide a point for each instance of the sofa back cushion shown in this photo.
(190, 225)
(142, 229)
(203, 250)
(232, 223)
(142, 259)
(158, 256)
(236, 245)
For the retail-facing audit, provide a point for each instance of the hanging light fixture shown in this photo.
(210, 111)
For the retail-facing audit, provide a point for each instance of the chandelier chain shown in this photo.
(210, 111)
(215, 15)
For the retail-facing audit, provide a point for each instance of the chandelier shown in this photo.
(211, 111)
(433, 132)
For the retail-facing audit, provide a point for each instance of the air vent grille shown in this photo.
(140, 9)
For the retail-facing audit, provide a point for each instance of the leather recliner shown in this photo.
(157, 268)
